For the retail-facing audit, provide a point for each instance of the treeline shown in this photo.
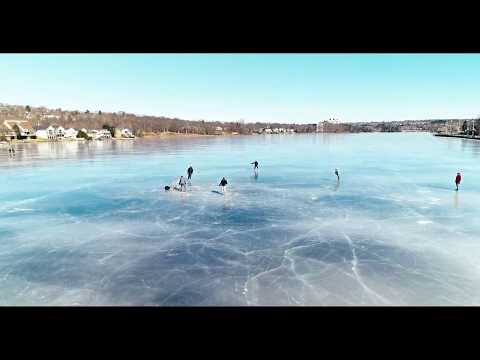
(41, 118)
(153, 124)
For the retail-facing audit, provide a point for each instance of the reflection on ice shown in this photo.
(104, 232)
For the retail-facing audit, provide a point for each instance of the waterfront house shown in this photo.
(22, 128)
(126, 133)
(218, 130)
(71, 133)
(7, 133)
(55, 132)
(99, 134)
(51, 133)
(104, 134)
(42, 134)
(60, 132)
(267, 131)
(291, 131)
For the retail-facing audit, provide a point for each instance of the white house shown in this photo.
(51, 133)
(42, 134)
(268, 131)
(104, 134)
(71, 133)
(126, 133)
(60, 132)
(100, 134)
(218, 130)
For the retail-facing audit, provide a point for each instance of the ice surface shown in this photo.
(90, 223)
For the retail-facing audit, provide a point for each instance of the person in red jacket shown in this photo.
(458, 179)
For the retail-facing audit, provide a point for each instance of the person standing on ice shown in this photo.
(11, 150)
(183, 184)
(223, 183)
(458, 179)
(336, 173)
(190, 172)
(255, 169)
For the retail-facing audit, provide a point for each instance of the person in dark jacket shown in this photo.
(255, 168)
(190, 172)
(223, 184)
(458, 179)
(336, 173)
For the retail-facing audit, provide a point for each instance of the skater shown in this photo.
(255, 169)
(223, 183)
(458, 179)
(183, 184)
(167, 188)
(336, 173)
(190, 172)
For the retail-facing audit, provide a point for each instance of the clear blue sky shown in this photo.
(256, 87)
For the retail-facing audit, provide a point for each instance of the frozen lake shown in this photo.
(90, 223)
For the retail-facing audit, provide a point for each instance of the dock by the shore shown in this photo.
(459, 136)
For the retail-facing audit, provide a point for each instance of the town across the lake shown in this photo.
(25, 123)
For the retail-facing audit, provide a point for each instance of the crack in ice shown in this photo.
(357, 273)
